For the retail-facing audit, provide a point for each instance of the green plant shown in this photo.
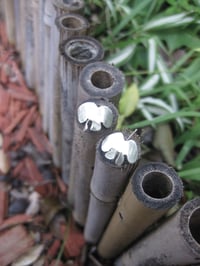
(156, 44)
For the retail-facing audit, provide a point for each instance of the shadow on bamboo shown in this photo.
(175, 242)
(153, 190)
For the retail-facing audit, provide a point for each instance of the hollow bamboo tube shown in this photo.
(154, 188)
(95, 118)
(112, 170)
(77, 52)
(100, 79)
(70, 6)
(109, 84)
(10, 20)
(175, 242)
(68, 25)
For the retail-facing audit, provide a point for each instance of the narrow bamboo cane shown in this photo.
(49, 18)
(77, 52)
(29, 65)
(68, 25)
(175, 242)
(10, 20)
(17, 24)
(154, 188)
(100, 79)
(95, 118)
(112, 170)
(22, 25)
(38, 25)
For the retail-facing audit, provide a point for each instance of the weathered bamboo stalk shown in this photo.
(100, 79)
(49, 18)
(175, 242)
(95, 118)
(69, 6)
(68, 25)
(77, 52)
(154, 188)
(29, 66)
(53, 9)
(10, 20)
(116, 157)
(17, 24)
(38, 30)
(108, 85)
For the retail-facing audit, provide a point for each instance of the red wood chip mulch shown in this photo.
(29, 171)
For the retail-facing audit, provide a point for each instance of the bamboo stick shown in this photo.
(77, 52)
(100, 79)
(29, 65)
(17, 24)
(49, 18)
(154, 188)
(10, 20)
(95, 118)
(175, 242)
(53, 9)
(38, 28)
(68, 25)
(113, 165)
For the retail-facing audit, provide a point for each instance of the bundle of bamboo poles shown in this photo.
(115, 196)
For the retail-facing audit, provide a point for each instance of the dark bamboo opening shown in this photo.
(194, 224)
(157, 185)
(102, 79)
(81, 50)
(72, 23)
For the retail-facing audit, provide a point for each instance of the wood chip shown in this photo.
(3, 201)
(15, 242)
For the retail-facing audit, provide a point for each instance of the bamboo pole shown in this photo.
(116, 157)
(95, 118)
(154, 188)
(100, 79)
(17, 24)
(10, 20)
(38, 31)
(68, 25)
(175, 242)
(108, 85)
(49, 17)
(29, 66)
(53, 9)
(21, 26)
(77, 52)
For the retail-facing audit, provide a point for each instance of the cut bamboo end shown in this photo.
(73, 24)
(82, 50)
(154, 188)
(175, 242)
(69, 5)
(157, 186)
(100, 79)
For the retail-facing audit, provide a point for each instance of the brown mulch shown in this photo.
(29, 182)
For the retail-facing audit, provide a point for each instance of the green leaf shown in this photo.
(129, 101)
